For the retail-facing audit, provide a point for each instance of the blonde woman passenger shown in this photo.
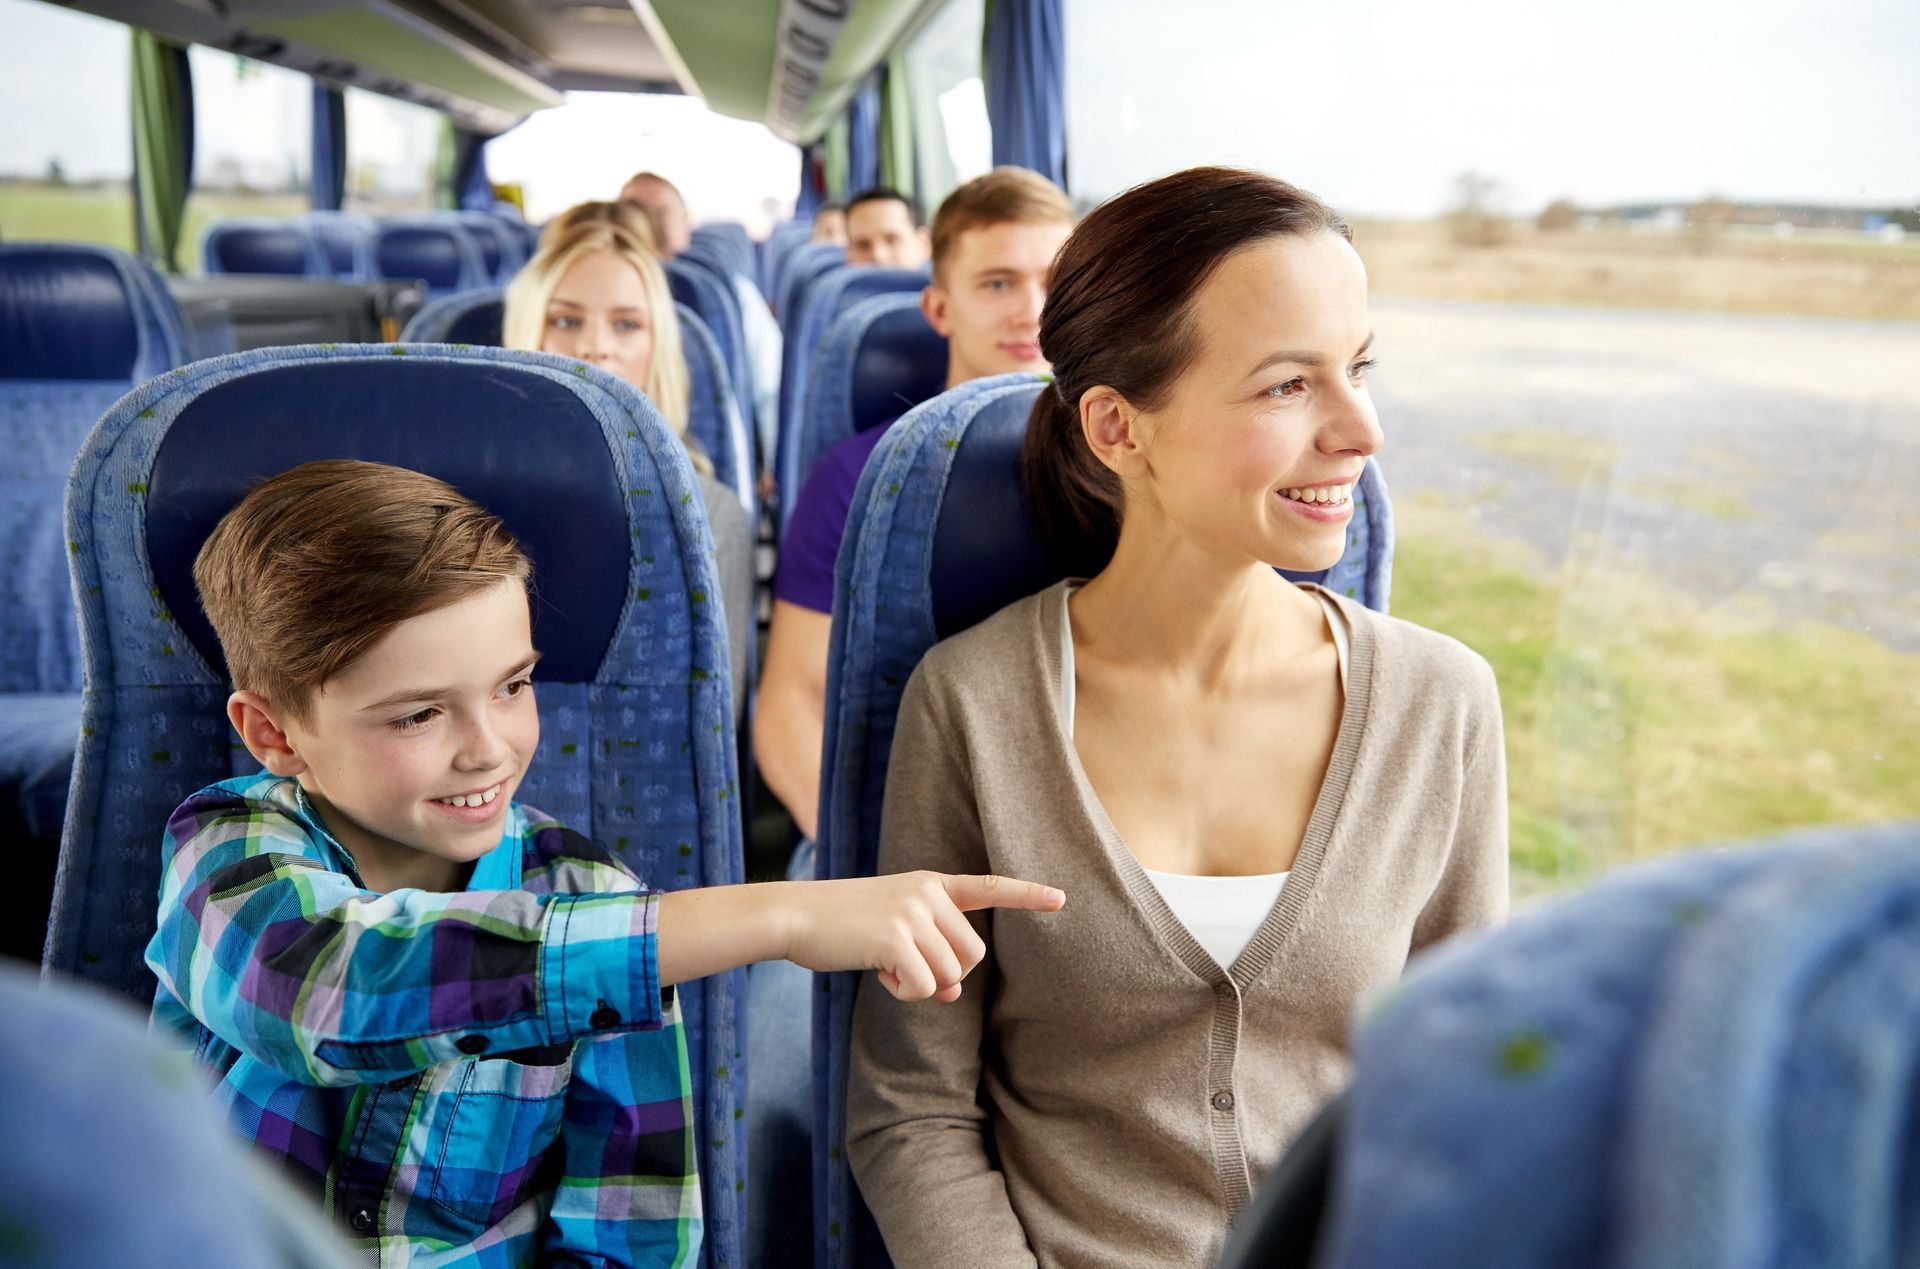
(595, 290)
(1261, 796)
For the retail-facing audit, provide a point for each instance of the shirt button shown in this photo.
(604, 1018)
(1223, 1101)
(401, 1084)
(361, 1219)
(472, 1045)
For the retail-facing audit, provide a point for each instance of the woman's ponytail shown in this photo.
(1075, 499)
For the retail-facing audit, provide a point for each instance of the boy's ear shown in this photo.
(252, 715)
(933, 306)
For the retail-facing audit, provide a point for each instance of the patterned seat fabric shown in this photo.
(701, 287)
(879, 359)
(79, 327)
(636, 745)
(940, 537)
(1711, 1061)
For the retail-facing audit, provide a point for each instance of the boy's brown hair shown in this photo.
(1004, 194)
(316, 565)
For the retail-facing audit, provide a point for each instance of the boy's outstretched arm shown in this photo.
(911, 928)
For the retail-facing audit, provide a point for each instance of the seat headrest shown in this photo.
(439, 254)
(901, 362)
(260, 246)
(473, 425)
(468, 317)
(986, 546)
(81, 312)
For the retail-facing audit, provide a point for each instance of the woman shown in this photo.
(1259, 797)
(595, 291)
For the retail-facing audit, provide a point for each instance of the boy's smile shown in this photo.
(413, 752)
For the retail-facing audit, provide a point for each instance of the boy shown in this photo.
(993, 240)
(448, 1015)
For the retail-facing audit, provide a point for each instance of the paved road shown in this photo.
(1736, 457)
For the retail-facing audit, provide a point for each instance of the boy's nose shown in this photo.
(481, 748)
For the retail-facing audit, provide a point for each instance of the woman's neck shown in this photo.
(1213, 620)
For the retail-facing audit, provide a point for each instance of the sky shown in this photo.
(1377, 105)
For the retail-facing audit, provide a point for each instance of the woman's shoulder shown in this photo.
(1414, 659)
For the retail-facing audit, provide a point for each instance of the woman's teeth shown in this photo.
(471, 799)
(1326, 495)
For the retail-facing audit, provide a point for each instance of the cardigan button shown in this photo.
(1223, 1101)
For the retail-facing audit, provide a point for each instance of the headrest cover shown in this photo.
(901, 362)
(986, 547)
(259, 247)
(66, 314)
(513, 442)
(429, 252)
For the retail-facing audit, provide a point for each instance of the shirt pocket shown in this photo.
(505, 1116)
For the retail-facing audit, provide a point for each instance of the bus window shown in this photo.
(1646, 336)
(66, 156)
(951, 139)
(391, 150)
(252, 143)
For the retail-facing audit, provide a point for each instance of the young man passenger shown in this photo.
(993, 240)
(883, 228)
(449, 1016)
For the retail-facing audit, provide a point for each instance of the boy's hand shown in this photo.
(909, 927)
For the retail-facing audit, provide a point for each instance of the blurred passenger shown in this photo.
(883, 227)
(672, 229)
(595, 291)
(993, 240)
(830, 224)
(1263, 797)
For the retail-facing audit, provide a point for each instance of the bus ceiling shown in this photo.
(488, 64)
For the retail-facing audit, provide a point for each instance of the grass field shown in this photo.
(1639, 722)
(30, 212)
(1806, 275)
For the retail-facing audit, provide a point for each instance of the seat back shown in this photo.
(633, 688)
(779, 245)
(259, 244)
(879, 359)
(713, 417)
(731, 242)
(80, 326)
(502, 251)
(701, 287)
(939, 538)
(806, 261)
(1712, 1060)
(437, 252)
(341, 236)
(820, 303)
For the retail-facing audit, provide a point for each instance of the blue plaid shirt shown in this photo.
(487, 1078)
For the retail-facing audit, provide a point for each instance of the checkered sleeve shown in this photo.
(291, 962)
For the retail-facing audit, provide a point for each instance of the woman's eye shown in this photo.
(564, 322)
(629, 325)
(413, 721)
(1359, 370)
(1291, 388)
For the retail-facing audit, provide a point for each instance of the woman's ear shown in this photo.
(252, 715)
(1113, 431)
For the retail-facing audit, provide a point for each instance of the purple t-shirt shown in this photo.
(812, 542)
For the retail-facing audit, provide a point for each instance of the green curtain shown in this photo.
(162, 145)
(446, 192)
(836, 157)
(896, 128)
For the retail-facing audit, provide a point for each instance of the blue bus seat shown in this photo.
(879, 359)
(341, 236)
(785, 239)
(704, 289)
(1709, 1060)
(733, 243)
(439, 253)
(634, 687)
(261, 244)
(806, 261)
(713, 417)
(940, 537)
(502, 251)
(80, 326)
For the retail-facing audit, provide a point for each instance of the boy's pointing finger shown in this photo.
(970, 894)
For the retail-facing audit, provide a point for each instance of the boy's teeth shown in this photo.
(473, 799)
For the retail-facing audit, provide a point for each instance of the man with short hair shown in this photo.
(883, 227)
(993, 241)
(666, 210)
(830, 224)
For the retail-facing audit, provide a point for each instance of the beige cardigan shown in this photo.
(1104, 1094)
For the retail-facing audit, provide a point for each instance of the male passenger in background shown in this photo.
(666, 211)
(448, 1016)
(993, 240)
(883, 227)
(830, 224)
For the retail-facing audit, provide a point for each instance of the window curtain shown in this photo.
(1026, 85)
(833, 160)
(811, 194)
(863, 138)
(329, 148)
(460, 170)
(162, 146)
(896, 127)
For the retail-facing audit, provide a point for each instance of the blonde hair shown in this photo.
(620, 229)
(316, 565)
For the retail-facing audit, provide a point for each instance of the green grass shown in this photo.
(30, 212)
(1640, 722)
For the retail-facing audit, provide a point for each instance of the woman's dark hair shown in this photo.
(1119, 313)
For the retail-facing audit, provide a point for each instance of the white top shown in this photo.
(1222, 913)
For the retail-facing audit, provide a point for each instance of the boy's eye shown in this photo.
(516, 687)
(412, 721)
(996, 284)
